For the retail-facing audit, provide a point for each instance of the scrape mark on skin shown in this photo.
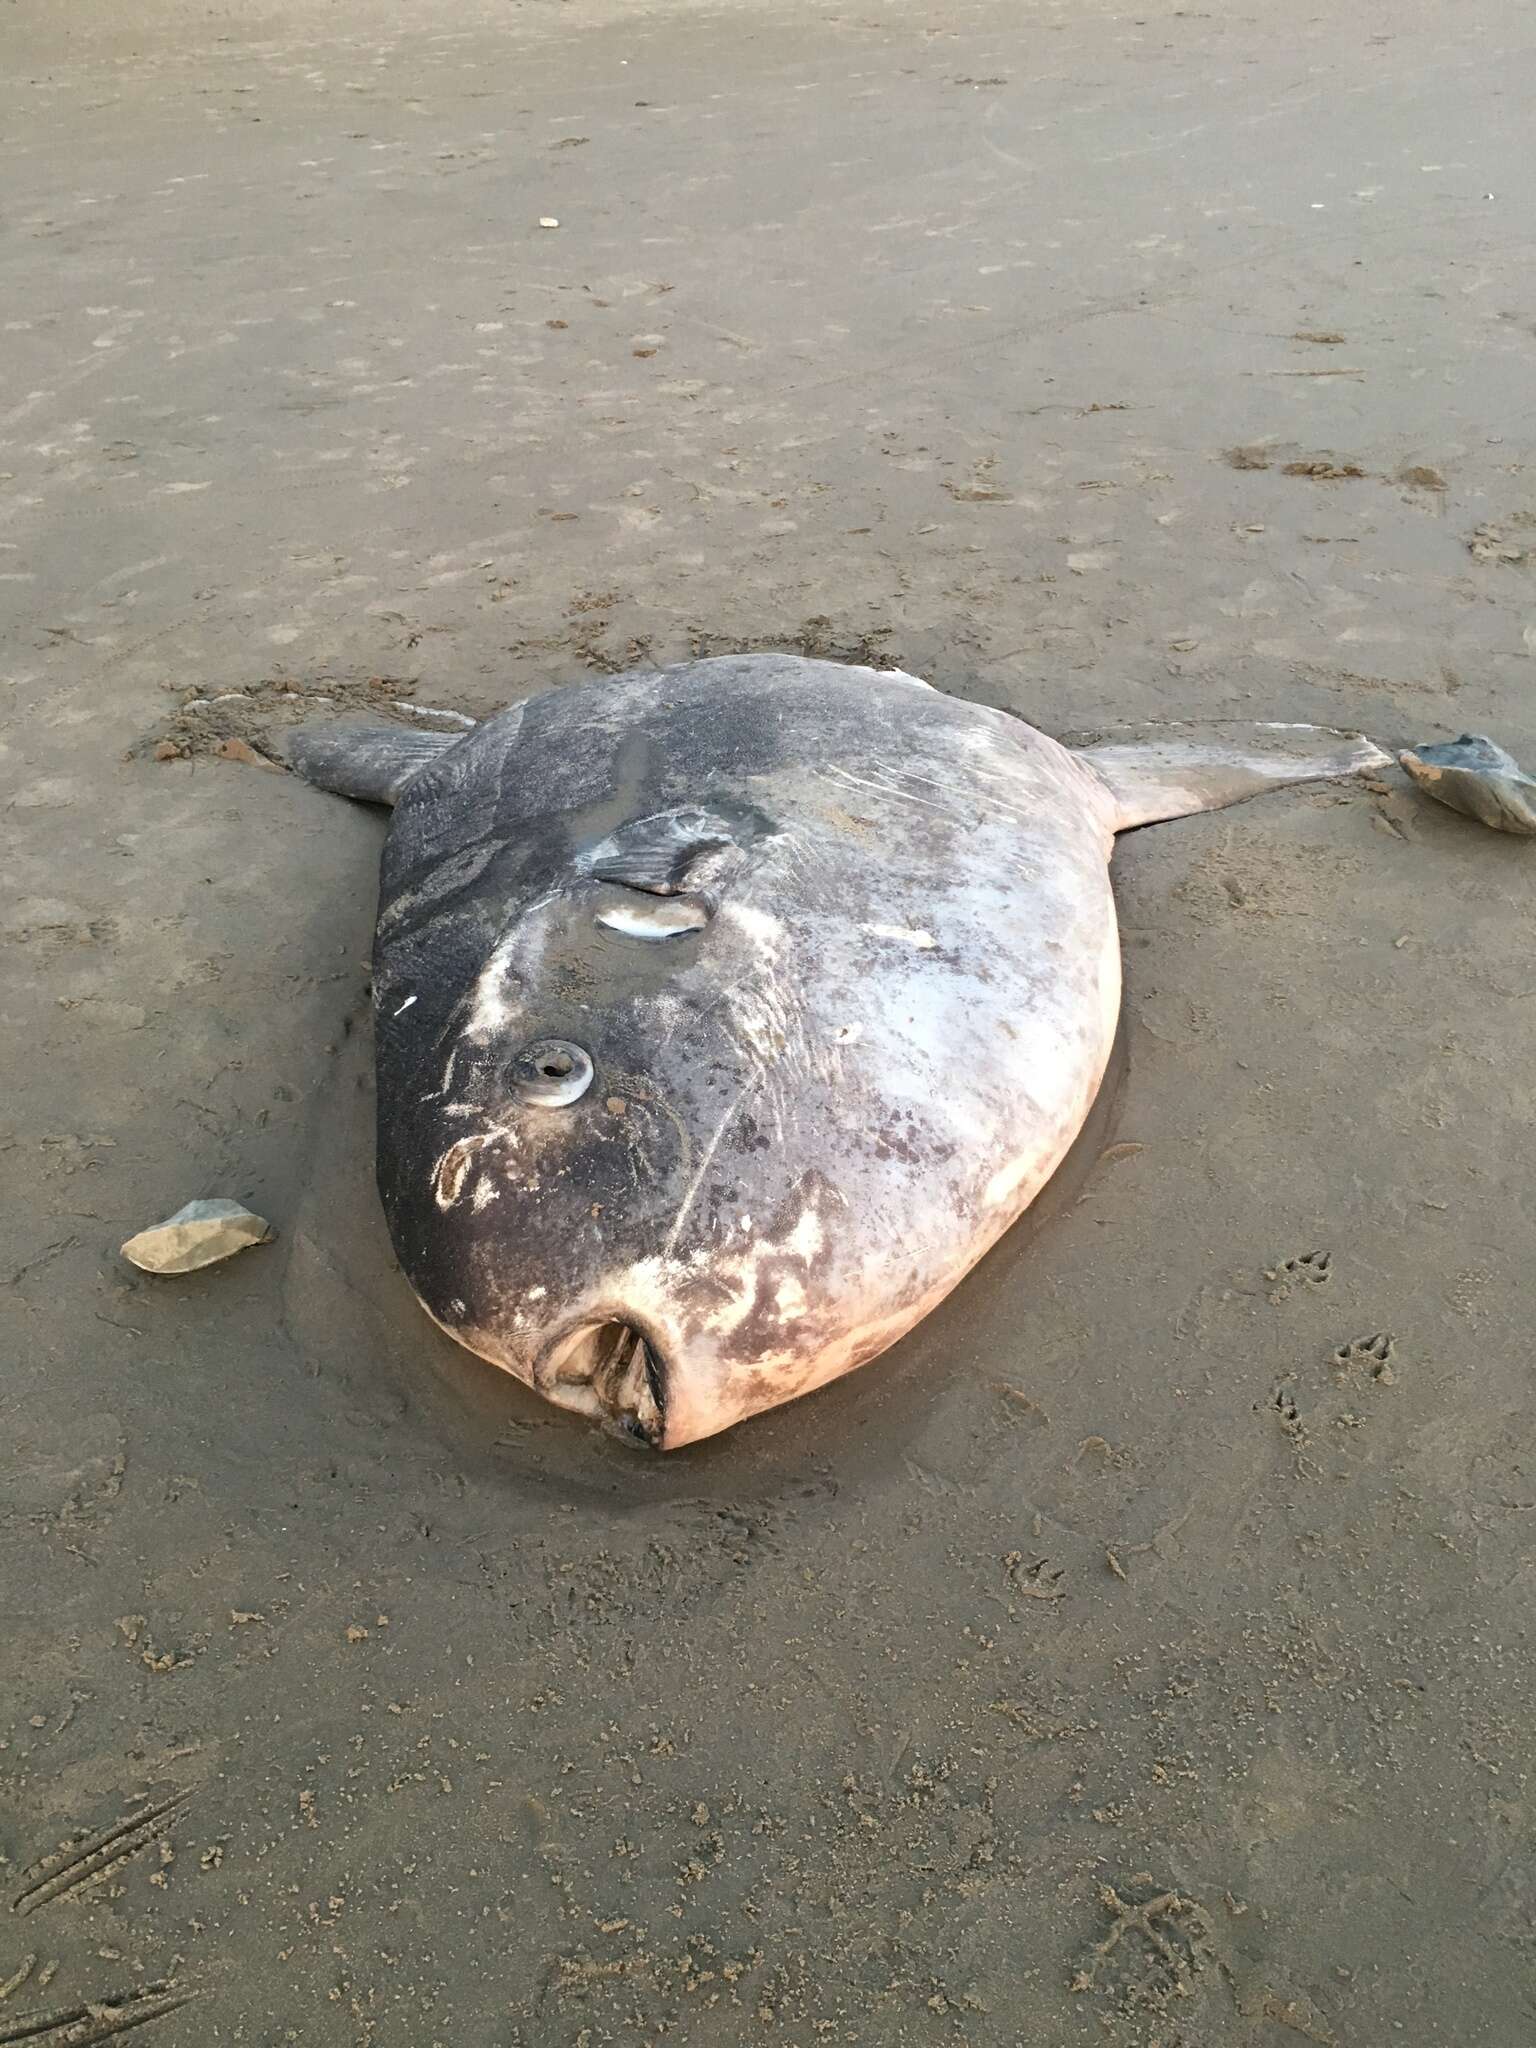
(884, 789)
(691, 1193)
(453, 1169)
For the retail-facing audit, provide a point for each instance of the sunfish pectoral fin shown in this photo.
(667, 853)
(1154, 772)
(370, 762)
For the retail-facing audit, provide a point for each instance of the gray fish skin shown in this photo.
(810, 1117)
(836, 959)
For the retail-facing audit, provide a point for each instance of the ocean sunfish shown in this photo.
(727, 1014)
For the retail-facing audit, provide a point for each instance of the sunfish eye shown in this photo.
(551, 1073)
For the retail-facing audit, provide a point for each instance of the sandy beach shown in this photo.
(1141, 1652)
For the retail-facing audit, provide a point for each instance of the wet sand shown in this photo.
(1142, 1651)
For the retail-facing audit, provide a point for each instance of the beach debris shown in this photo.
(1478, 778)
(199, 1235)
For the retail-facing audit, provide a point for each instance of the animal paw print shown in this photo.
(1313, 1267)
(1309, 1269)
(1283, 1403)
(1372, 1354)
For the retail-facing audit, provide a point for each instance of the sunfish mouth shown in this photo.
(610, 1372)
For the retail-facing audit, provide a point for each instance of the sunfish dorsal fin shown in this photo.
(1154, 772)
(370, 762)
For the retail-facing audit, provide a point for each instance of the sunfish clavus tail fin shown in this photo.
(1154, 772)
(370, 762)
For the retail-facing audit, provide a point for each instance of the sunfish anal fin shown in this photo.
(1155, 772)
(370, 762)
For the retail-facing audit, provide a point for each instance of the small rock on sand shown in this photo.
(199, 1235)
(242, 750)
